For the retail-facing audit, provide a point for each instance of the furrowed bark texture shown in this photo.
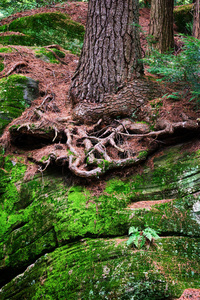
(126, 103)
(161, 25)
(196, 22)
(111, 52)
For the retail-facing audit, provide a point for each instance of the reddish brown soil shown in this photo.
(190, 294)
(147, 204)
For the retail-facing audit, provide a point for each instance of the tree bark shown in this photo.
(126, 103)
(111, 52)
(161, 25)
(196, 21)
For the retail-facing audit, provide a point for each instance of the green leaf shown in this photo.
(132, 230)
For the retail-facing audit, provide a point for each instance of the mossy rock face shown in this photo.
(16, 93)
(47, 215)
(108, 269)
(183, 17)
(44, 29)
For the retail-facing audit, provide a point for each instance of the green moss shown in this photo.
(104, 165)
(169, 218)
(13, 98)
(48, 56)
(44, 29)
(142, 154)
(44, 213)
(17, 40)
(6, 50)
(183, 18)
(95, 268)
(61, 54)
(45, 55)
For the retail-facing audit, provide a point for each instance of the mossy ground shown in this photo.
(45, 214)
(5, 50)
(44, 29)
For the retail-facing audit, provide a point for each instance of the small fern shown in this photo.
(139, 239)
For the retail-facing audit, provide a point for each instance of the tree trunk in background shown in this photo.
(161, 25)
(111, 52)
(196, 22)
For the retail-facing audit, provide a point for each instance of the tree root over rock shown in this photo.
(92, 151)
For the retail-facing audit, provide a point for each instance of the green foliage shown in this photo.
(140, 238)
(182, 67)
(182, 2)
(44, 29)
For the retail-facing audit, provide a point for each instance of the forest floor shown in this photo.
(54, 79)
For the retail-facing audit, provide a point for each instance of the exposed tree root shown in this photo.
(91, 151)
(12, 69)
(56, 56)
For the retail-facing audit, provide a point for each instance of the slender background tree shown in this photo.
(161, 25)
(196, 21)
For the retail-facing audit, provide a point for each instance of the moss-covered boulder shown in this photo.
(44, 29)
(74, 243)
(183, 17)
(16, 93)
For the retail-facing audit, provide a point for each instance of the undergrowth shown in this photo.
(182, 67)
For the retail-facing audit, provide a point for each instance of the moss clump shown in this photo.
(45, 55)
(142, 154)
(60, 54)
(16, 93)
(183, 17)
(6, 50)
(17, 40)
(44, 29)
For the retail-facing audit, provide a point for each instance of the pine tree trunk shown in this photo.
(161, 25)
(111, 52)
(196, 22)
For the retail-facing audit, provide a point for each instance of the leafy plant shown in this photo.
(182, 67)
(139, 238)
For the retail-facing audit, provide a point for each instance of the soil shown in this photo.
(54, 79)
